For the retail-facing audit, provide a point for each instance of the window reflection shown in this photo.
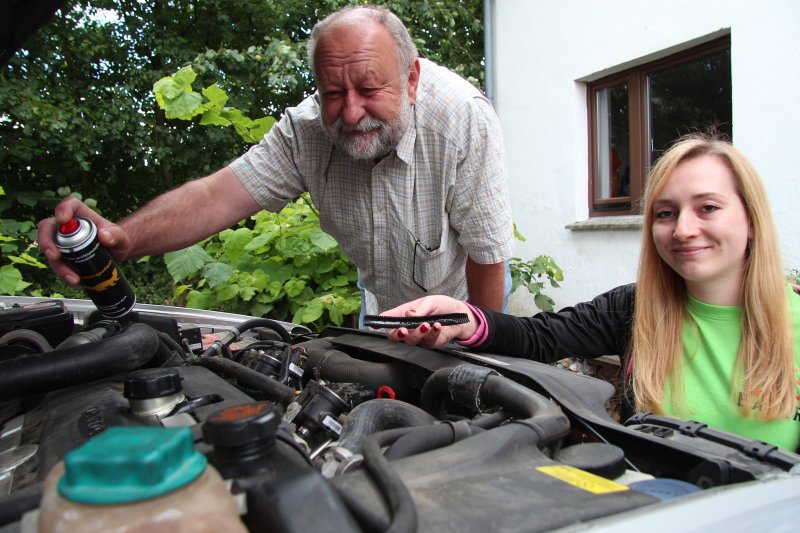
(689, 97)
(612, 149)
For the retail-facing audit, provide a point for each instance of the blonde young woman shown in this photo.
(710, 331)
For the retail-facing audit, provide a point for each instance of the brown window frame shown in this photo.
(638, 126)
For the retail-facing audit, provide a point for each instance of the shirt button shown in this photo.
(381, 242)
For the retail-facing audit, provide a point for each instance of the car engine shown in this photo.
(341, 430)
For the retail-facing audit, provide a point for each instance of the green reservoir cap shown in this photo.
(128, 464)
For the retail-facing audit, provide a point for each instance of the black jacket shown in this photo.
(602, 326)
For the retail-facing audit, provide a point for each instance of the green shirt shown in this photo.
(710, 353)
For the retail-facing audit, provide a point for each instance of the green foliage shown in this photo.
(277, 264)
(178, 99)
(18, 244)
(533, 274)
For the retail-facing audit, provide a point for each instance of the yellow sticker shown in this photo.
(582, 480)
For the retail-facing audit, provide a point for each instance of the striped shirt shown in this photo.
(409, 220)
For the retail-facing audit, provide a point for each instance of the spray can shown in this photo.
(100, 277)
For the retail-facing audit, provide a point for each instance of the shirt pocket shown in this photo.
(432, 260)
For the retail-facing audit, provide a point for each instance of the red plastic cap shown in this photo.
(71, 226)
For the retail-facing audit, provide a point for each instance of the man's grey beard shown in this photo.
(373, 146)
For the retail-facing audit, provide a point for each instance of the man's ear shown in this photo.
(413, 82)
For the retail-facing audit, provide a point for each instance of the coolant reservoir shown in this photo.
(137, 480)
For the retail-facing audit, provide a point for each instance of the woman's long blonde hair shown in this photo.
(765, 363)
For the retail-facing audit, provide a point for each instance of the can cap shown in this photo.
(128, 464)
(68, 227)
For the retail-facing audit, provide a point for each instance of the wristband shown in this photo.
(479, 337)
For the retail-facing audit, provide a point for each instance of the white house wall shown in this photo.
(544, 51)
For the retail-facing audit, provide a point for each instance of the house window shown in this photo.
(635, 115)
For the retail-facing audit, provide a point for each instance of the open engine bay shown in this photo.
(340, 430)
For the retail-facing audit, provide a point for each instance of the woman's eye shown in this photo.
(664, 213)
(709, 208)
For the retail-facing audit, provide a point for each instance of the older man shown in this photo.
(403, 159)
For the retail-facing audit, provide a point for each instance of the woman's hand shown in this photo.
(432, 335)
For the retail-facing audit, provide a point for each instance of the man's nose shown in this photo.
(353, 110)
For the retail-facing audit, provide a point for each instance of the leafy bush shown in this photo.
(283, 266)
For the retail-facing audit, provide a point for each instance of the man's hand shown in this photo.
(432, 335)
(110, 235)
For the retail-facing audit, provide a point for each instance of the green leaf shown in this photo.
(276, 271)
(11, 280)
(227, 292)
(216, 98)
(544, 302)
(213, 118)
(185, 77)
(27, 260)
(259, 243)
(309, 312)
(186, 263)
(198, 300)
(247, 293)
(322, 240)
(184, 106)
(260, 127)
(217, 273)
(236, 241)
(294, 287)
(28, 198)
(294, 248)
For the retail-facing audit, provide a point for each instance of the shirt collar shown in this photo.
(405, 148)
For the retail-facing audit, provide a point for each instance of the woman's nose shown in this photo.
(685, 226)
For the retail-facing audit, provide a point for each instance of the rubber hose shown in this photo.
(277, 327)
(377, 415)
(338, 367)
(391, 485)
(169, 352)
(461, 383)
(38, 373)
(541, 414)
(249, 377)
(421, 439)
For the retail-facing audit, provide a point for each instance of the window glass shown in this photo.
(692, 96)
(613, 142)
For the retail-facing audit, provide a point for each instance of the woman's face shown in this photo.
(701, 229)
